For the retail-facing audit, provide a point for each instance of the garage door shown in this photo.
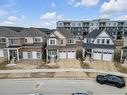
(71, 54)
(97, 55)
(107, 56)
(62, 55)
(1, 53)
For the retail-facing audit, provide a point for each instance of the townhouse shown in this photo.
(99, 45)
(61, 44)
(27, 44)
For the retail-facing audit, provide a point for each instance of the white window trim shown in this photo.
(50, 40)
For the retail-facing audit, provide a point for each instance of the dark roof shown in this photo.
(32, 32)
(56, 47)
(125, 47)
(86, 45)
(35, 45)
(66, 33)
(6, 32)
(96, 32)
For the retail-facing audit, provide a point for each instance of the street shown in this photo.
(56, 87)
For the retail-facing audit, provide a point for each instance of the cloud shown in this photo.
(122, 17)
(49, 19)
(12, 18)
(114, 6)
(53, 5)
(87, 3)
(104, 15)
(3, 12)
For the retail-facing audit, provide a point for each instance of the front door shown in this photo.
(13, 55)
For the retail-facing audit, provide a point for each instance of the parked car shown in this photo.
(78, 93)
(117, 81)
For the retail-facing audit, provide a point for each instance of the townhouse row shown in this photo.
(33, 44)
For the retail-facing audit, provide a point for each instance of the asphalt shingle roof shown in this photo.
(86, 45)
(32, 32)
(66, 33)
(96, 32)
(6, 32)
(56, 47)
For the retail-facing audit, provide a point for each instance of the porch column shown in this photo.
(8, 54)
(47, 55)
(17, 54)
(121, 54)
(57, 54)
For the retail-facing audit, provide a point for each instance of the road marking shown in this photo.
(37, 85)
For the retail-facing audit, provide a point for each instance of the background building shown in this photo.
(83, 27)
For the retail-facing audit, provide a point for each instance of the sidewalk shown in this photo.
(60, 70)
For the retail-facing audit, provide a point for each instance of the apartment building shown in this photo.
(83, 27)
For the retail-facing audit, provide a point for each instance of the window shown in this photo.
(25, 40)
(71, 41)
(108, 41)
(2, 40)
(73, 24)
(79, 24)
(61, 41)
(37, 40)
(52, 42)
(14, 42)
(29, 55)
(38, 55)
(98, 41)
(103, 41)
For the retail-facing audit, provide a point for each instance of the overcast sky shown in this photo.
(45, 13)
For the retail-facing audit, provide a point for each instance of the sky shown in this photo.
(45, 13)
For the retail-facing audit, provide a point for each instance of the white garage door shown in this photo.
(1, 53)
(71, 54)
(97, 55)
(107, 56)
(62, 55)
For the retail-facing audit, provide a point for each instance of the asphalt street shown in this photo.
(56, 87)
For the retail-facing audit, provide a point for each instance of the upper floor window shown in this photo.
(79, 24)
(38, 40)
(61, 41)
(2, 40)
(98, 41)
(108, 41)
(103, 41)
(14, 41)
(71, 41)
(52, 42)
(25, 40)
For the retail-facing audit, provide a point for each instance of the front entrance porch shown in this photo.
(52, 56)
(13, 55)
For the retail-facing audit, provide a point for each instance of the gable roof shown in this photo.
(96, 32)
(6, 32)
(32, 32)
(66, 33)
